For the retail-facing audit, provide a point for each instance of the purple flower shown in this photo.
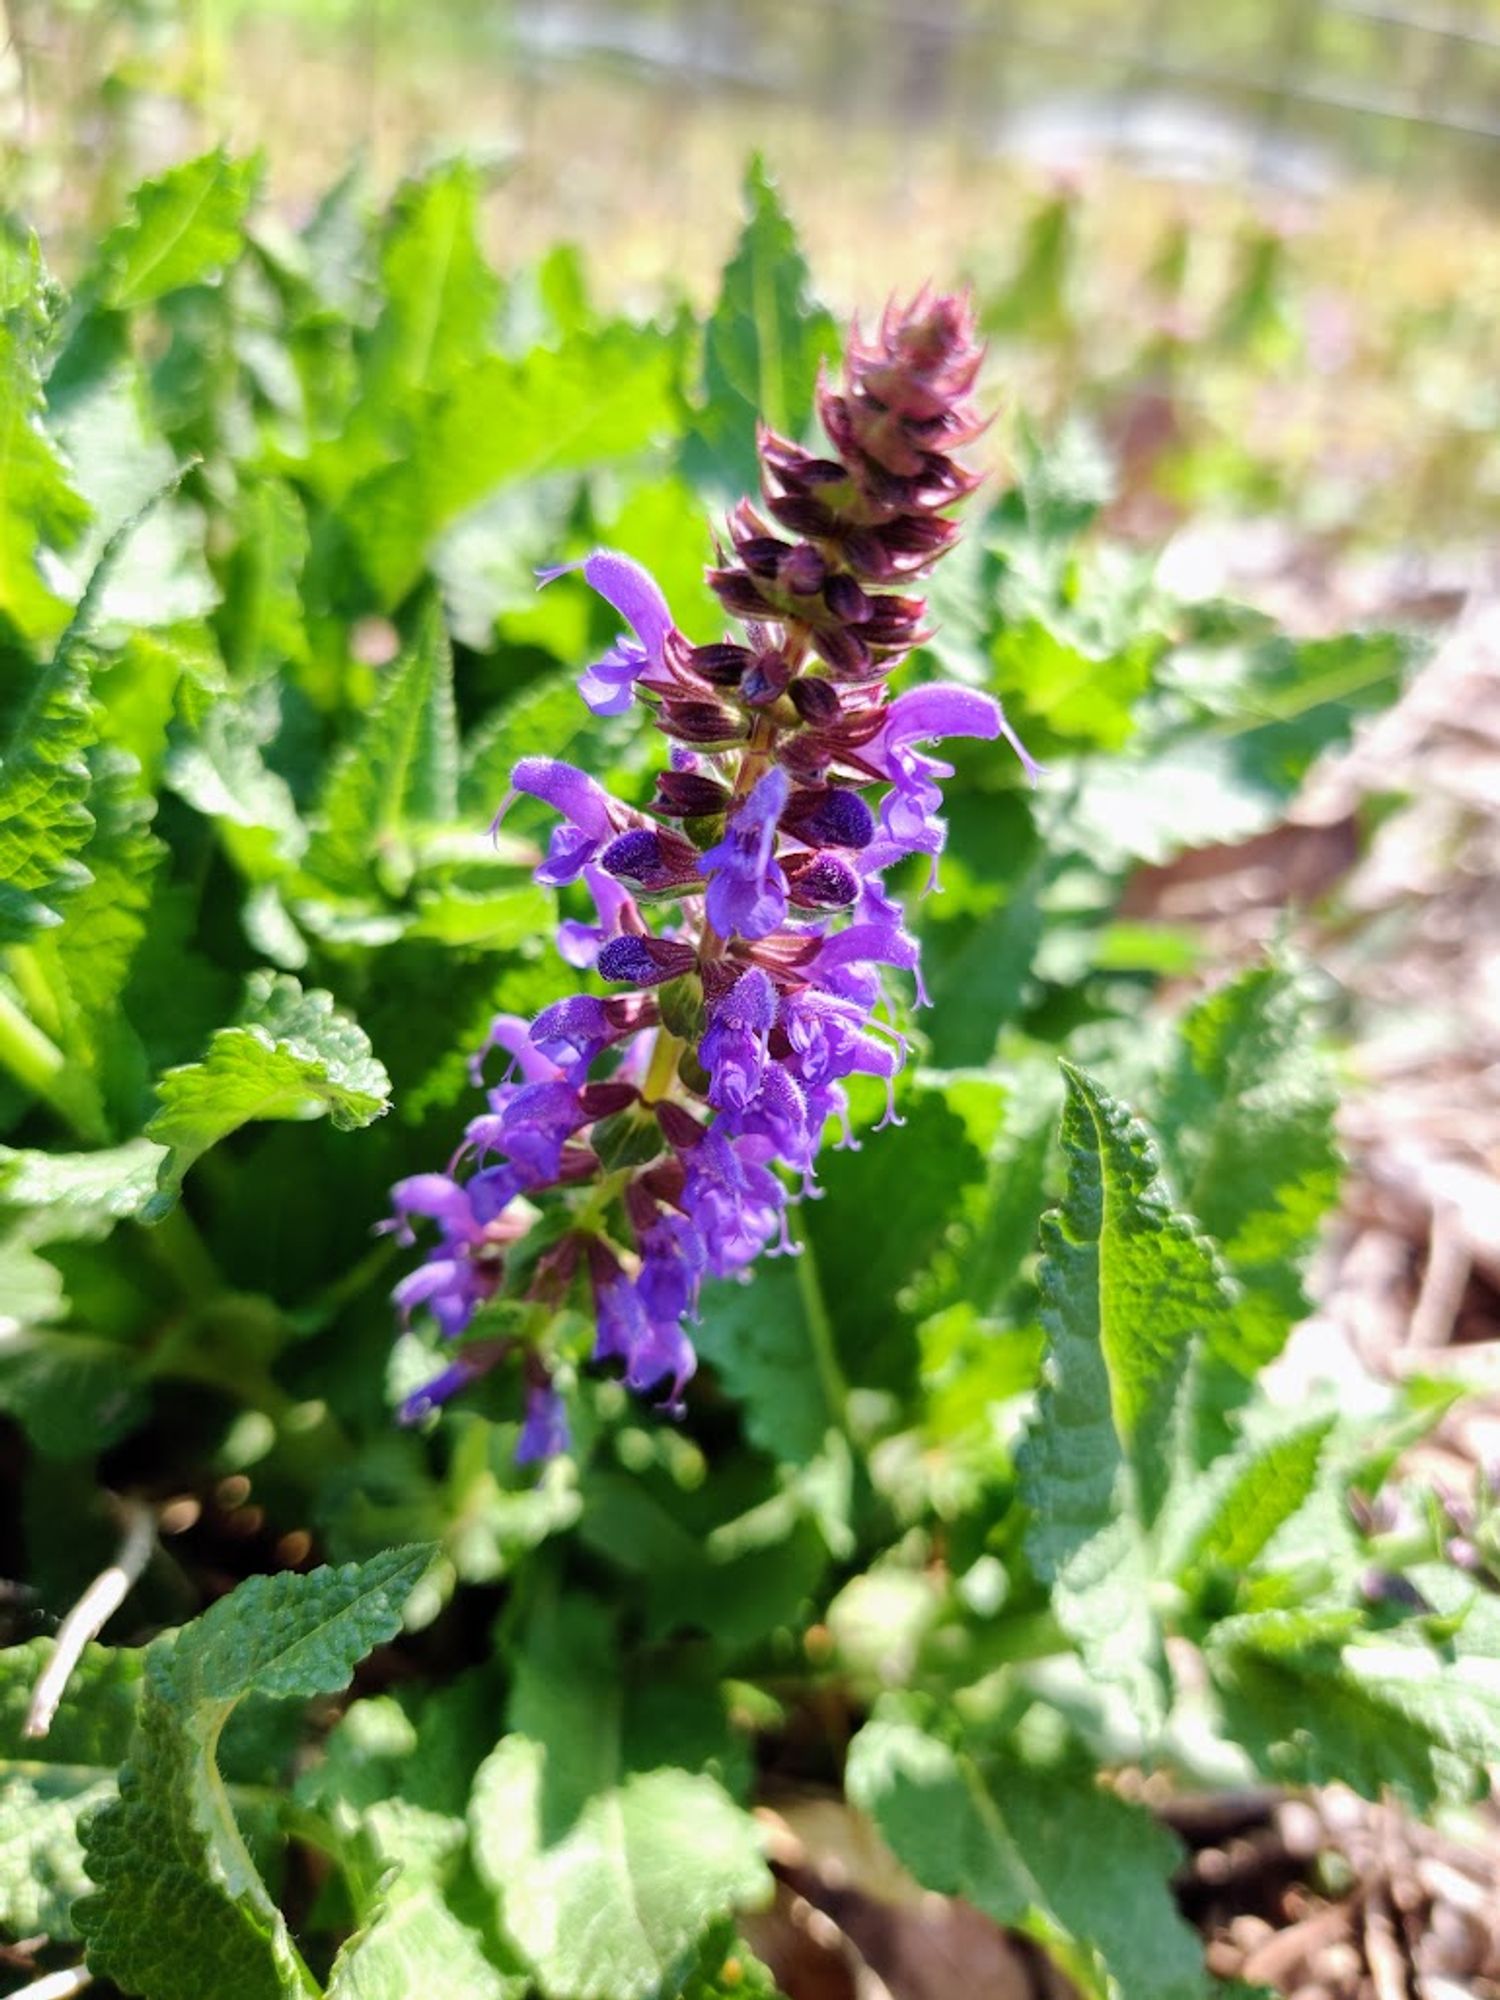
(656, 1128)
(908, 813)
(588, 812)
(579, 944)
(536, 1123)
(746, 888)
(579, 1028)
(734, 1049)
(608, 686)
(734, 1202)
(665, 1351)
(513, 1034)
(619, 1318)
(774, 1121)
(673, 1257)
(422, 1402)
(544, 1434)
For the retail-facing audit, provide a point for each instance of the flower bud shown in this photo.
(816, 701)
(645, 961)
(821, 882)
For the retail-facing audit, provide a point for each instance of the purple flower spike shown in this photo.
(659, 1135)
(608, 685)
(746, 887)
(544, 1434)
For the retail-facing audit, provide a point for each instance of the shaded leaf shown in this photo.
(49, 1783)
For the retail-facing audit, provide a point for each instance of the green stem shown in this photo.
(26, 1052)
(40, 1066)
(820, 1328)
(180, 1250)
(664, 1053)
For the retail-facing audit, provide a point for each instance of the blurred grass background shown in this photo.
(1258, 242)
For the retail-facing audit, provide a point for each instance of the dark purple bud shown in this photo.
(821, 882)
(831, 817)
(918, 535)
(893, 621)
(679, 1127)
(705, 722)
(645, 961)
(845, 600)
(738, 594)
(603, 1100)
(762, 555)
(802, 515)
(689, 795)
(721, 664)
(844, 652)
(802, 570)
(816, 701)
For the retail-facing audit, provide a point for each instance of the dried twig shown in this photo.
(86, 1620)
(1444, 1281)
(58, 1985)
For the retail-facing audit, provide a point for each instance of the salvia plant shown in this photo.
(824, 1412)
(661, 1112)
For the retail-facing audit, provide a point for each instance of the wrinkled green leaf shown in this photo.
(293, 1056)
(170, 1839)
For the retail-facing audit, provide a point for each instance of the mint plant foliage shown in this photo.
(974, 1500)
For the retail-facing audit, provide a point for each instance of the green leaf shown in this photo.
(763, 345)
(184, 227)
(439, 307)
(606, 1870)
(1246, 1118)
(610, 1908)
(600, 397)
(44, 781)
(398, 771)
(862, 1275)
(294, 1055)
(1049, 1850)
(1129, 1288)
(73, 1395)
(31, 1288)
(1230, 1514)
(79, 1196)
(170, 1842)
(40, 511)
(141, 562)
(760, 1343)
(86, 963)
(222, 774)
(47, 1785)
(413, 1945)
(263, 619)
(1316, 1702)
